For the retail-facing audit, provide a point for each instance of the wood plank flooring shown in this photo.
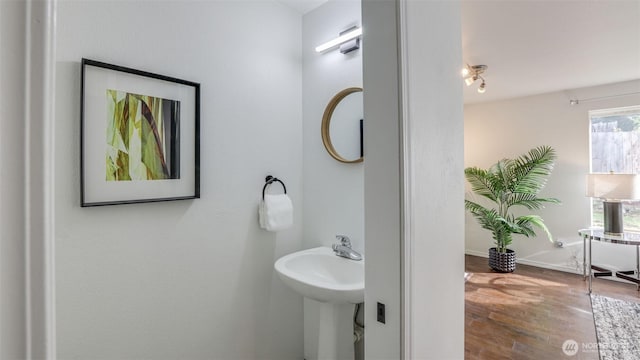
(529, 314)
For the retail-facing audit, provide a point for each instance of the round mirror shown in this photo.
(342, 126)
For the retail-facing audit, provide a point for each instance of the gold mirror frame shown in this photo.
(326, 122)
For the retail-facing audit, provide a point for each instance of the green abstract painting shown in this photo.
(143, 140)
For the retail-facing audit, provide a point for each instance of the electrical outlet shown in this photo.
(381, 313)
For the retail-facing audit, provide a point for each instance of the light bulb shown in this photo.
(465, 72)
(470, 80)
(481, 89)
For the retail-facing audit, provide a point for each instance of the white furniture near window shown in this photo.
(627, 238)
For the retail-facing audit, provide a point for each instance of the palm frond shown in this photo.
(488, 219)
(532, 169)
(535, 220)
(502, 171)
(530, 201)
(482, 182)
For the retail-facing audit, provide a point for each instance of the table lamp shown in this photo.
(613, 189)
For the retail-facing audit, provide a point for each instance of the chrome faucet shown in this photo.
(344, 248)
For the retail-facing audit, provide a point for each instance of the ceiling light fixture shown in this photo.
(348, 39)
(471, 73)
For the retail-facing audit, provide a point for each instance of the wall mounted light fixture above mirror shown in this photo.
(348, 41)
(348, 125)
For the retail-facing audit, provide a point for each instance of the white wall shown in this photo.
(186, 279)
(509, 128)
(413, 180)
(12, 245)
(433, 194)
(382, 178)
(334, 191)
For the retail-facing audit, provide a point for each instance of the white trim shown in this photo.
(543, 265)
(27, 155)
(50, 146)
(39, 176)
(613, 111)
(406, 216)
(563, 268)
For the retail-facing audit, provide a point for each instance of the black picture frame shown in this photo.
(139, 136)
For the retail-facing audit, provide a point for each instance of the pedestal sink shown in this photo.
(318, 274)
(321, 275)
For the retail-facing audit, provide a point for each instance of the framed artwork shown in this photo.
(140, 136)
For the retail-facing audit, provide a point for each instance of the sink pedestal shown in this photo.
(331, 285)
(328, 330)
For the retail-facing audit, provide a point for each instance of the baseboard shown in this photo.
(563, 268)
(477, 253)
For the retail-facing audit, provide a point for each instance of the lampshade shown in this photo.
(613, 186)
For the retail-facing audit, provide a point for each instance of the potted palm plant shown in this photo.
(507, 184)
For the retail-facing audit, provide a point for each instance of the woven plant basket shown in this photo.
(502, 262)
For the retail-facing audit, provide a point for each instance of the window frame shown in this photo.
(598, 113)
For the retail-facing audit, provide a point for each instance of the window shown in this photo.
(615, 146)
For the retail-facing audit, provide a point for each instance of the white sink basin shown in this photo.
(321, 275)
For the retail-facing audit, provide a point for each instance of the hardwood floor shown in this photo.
(530, 313)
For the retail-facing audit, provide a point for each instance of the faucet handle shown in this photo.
(344, 240)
